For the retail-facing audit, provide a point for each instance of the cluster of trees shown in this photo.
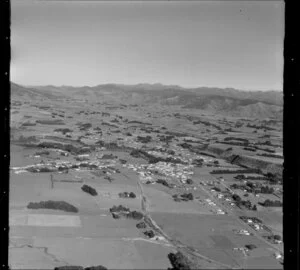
(242, 203)
(249, 149)
(141, 225)
(126, 194)
(183, 197)
(146, 139)
(137, 153)
(163, 182)
(50, 122)
(269, 203)
(164, 138)
(235, 171)
(55, 205)
(119, 211)
(270, 155)
(63, 130)
(254, 219)
(243, 177)
(71, 148)
(274, 237)
(236, 139)
(149, 233)
(254, 188)
(179, 261)
(90, 190)
(71, 267)
(198, 162)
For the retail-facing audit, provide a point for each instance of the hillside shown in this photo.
(227, 101)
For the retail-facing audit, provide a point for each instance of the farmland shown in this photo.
(87, 167)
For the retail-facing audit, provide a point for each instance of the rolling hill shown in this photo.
(227, 101)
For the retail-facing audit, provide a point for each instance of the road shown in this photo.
(228, 210)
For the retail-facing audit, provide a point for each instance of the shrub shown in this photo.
(236, 197)
(277, 237)
(127, 195)
(63, 130)
(55, 205)
(163, 182)
(119, 208)
(189, 181)
(132, 195)
(89, 190)
(141, 225)
(149, 233)
(179, 261)
(135, 215)
(250, 246)
(188, 196)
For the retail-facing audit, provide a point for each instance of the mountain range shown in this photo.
(225, 101)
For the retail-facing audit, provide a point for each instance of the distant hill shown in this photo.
(227, 101)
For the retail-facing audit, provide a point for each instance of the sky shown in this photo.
(235, 44)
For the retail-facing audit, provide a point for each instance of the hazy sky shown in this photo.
(225, 44)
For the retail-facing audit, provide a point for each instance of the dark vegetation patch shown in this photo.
(254, 188)
(71, 148)
(270, 155)
(70, 267)
(138, 122)
(208, 124)
(146, 139)
(207, 154)
(63, 130)
(55, 205)
(183, 197)
(84, 125)
(50, 122)
(164, 183)
(273, 238)
(250, 149)
(165, 139)
(250, 246)
(44, 169)
(235, 171)
(245, 177)
(261, 127)
(253, 219)
(108, 178)
(242, 203)
(123, 161)
(179, 261)
(126, 194)
(149, 233)
(109, 125)
(122, 211)
(44, 152)
(89, 189)
(137, 153)
(109, 156)
(269, 203)
(236, 139)
(29, 124)
(141, 225)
